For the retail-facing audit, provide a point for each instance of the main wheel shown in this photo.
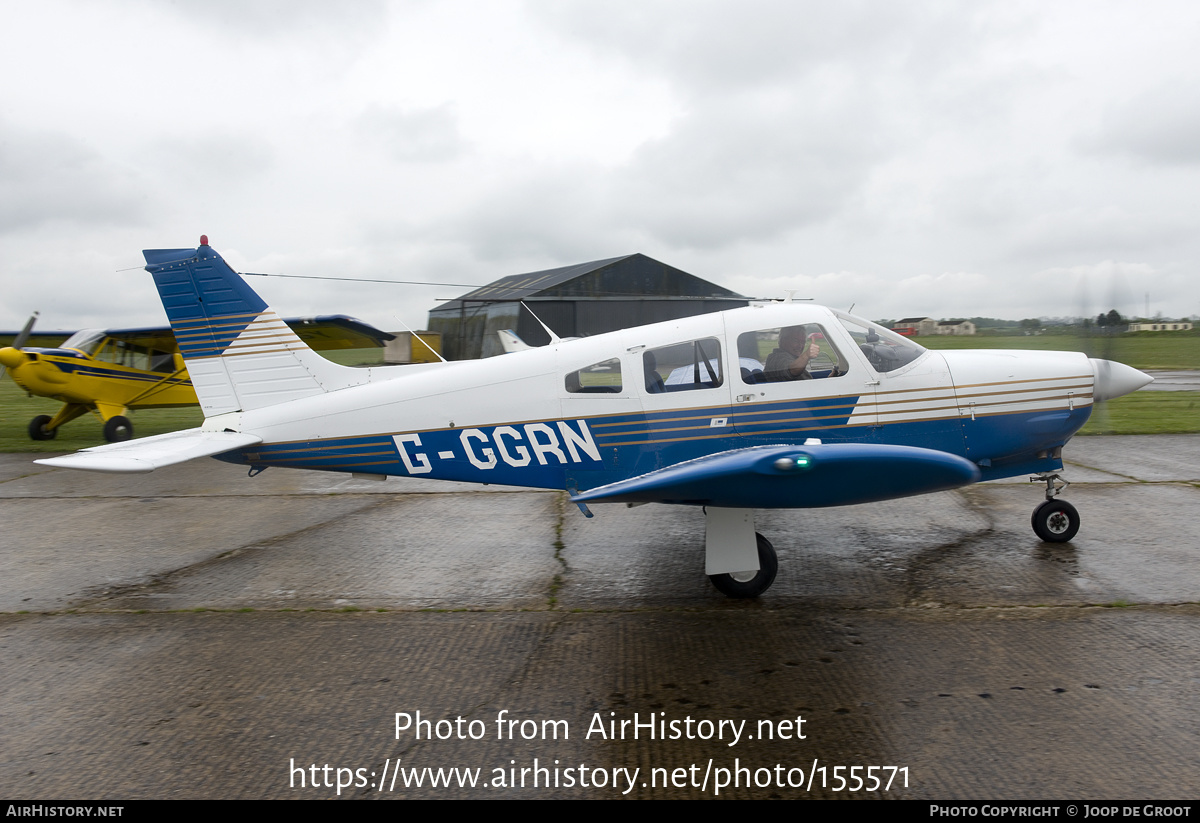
(38, 430)
(1055, 521)
(117, 429)
(750, 584)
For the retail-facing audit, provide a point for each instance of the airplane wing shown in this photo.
(337, 331)
(150, 453)
(791, 476)
(321, 333)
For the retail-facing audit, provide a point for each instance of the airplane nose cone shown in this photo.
(11, 358)
(1115, 379)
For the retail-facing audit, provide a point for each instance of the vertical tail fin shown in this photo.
(240, 354)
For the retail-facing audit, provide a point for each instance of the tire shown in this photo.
(38, 430)
(730, 586)
(117, 429)
(1055, 521)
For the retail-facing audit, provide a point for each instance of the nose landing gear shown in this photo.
(1055, 521)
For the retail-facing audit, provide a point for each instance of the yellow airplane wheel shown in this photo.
(117, 429)
(38, 430)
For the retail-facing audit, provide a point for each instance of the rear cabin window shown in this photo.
(599, 378)
(695, 364)
(784, 354)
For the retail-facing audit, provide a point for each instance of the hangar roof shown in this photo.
(630, 276)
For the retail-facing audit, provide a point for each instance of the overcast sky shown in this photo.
(1004, 159)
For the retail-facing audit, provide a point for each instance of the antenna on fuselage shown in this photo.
(791, 296)
(554, 338)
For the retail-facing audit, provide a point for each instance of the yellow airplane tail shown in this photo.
(241, 356)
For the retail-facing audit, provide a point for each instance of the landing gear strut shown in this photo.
(740, 562)
(1055, 521)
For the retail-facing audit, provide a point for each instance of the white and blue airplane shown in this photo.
(779, 405)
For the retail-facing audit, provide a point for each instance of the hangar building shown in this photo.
(574, 301)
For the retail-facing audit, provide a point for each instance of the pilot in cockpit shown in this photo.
(790, 361)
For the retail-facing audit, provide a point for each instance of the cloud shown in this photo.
(966, 146)
(215, 159)
(273, 19)
(712, 48)
(49, 176)
(412, 135)
(746, 172)
(1096, 229)
(1159, 127)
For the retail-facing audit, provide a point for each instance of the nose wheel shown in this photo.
(1055, 521)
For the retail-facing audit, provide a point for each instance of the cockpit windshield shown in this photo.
(886, 350)
(85, 341)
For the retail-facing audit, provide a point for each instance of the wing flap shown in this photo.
(790, 476)
(150, 453)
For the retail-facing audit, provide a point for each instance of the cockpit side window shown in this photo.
(780, 355)
(695, 364)
(599, 378)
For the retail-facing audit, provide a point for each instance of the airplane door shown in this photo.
(783, 392)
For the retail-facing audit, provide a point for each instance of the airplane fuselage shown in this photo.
(71, 376)
(529, 418)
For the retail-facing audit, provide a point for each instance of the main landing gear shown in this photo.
(117, 429)
(38, 430)
(750, 583)
(740, 562)
(1055, 521)
(44, 427)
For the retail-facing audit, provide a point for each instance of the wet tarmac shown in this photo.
(195, 633)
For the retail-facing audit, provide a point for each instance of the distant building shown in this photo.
(1161, 325)
(916, 326)
(574, 301)
(955, 327)
(913, 326)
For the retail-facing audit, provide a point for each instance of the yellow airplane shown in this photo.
(110, 371)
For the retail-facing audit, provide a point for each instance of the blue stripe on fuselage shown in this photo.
(74, 363)
(582, 454)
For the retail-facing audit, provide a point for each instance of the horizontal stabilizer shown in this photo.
(802, 477)
(150, 453)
